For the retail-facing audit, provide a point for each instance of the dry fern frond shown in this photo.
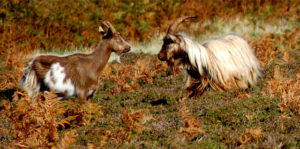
(14, 63)
(66, 140)
(250, 135)
(192, 126)
(134, 119)
(287, 89)
(92, 146)
(120, 135)
(265, 48)
(35, 123)
(81, 115)
(32, 122)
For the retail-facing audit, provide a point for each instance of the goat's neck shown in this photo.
(101, 56)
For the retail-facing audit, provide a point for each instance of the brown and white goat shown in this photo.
(225, 64)
(76, 74)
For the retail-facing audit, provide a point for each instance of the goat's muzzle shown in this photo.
(161, 57)
(127, 49)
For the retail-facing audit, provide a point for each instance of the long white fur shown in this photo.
(226, 59)
(56, 80)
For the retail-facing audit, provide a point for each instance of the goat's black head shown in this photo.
(172, 48)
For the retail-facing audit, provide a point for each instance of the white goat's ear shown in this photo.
(172, 37)
(101, 30)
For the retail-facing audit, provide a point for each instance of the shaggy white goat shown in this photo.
(225, 64)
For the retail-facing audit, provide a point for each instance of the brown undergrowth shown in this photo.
(277, 51)
(270, 46)
(36, 123)
(278, 54)
(287, 89)
(15, 62)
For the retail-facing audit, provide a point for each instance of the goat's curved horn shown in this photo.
(175, 24)
(108, 25)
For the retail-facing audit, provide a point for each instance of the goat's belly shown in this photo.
(66, 89)
(56, 80)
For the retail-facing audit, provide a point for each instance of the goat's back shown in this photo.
(235, 59)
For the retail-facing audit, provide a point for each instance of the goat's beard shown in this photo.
(170, 70)
(173, 67)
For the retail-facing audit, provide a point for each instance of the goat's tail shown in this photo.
(30, 83)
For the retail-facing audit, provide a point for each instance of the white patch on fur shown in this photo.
(56, 80)
(224, 59)
(118, 59)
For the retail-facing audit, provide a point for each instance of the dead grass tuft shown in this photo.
(192, 126)
(265, 49)
(14, 69)
(287, 89)
(270, 45)
(134, 119)
(250, 135)
(66, 140)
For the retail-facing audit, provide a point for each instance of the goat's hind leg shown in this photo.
(82, 95)
(195, 86)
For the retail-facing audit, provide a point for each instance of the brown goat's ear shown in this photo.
(110, 29)
(101, 30)
(108, 35)
(105, 29)
(105, 34)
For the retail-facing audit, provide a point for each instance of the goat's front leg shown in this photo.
(188, 81)
(82, 95)
(196, 86)
(188, 86)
